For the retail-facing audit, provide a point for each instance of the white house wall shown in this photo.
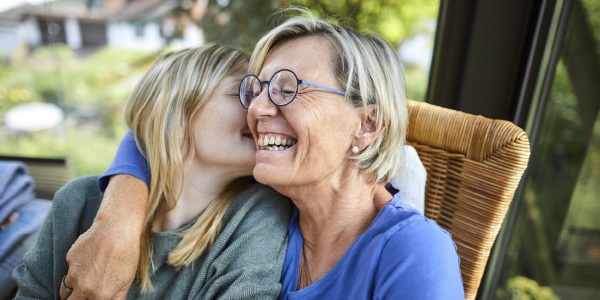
(119, 35)
(13, 34)
(122, 35)
(193, 36)
(31, 32)
(8, 40)
(73, 33)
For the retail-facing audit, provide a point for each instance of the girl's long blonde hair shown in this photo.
(160, 112)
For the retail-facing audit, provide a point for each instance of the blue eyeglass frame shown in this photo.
(298, 83)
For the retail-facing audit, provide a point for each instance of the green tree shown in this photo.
(395, 20)
(242, 23)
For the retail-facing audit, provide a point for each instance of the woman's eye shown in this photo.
(289, 92)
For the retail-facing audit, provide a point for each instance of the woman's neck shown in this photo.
(200, 187)
(345, 212)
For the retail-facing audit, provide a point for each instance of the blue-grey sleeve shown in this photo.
(420, 262)
(128, 160)
(72, 213)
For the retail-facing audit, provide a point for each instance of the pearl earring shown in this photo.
(355, 149)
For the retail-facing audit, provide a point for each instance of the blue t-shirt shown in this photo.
(128, 160)
(402, 255)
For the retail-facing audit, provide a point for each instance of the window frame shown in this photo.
(497, 59)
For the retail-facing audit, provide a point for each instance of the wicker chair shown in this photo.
(474, 165)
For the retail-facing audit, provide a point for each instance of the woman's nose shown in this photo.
(262, 106)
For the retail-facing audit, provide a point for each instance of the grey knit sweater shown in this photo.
(244, 263)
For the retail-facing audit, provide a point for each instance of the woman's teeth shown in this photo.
(275, 143)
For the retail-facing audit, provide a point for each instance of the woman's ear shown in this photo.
(368, 130)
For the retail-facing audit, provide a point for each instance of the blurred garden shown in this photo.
(90, 92)
(84, 90)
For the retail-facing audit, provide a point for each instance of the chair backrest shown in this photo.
(474, 165)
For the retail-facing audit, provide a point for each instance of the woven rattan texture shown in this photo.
(474, 165)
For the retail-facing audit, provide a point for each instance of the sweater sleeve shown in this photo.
(128, 160)
(72, 213)
(419, 261)
(34, 276)
(249, 267)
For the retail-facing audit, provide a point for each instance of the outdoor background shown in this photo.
(87, 85)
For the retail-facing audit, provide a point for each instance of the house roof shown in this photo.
(14, 14)
(143, 10)
(65, 9)
(122, 10)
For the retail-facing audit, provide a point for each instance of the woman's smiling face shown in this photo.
(318, 126)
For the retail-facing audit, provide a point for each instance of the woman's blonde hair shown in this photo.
(161, 112)
(369, 69)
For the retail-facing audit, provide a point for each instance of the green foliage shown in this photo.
(98, 85)
(92, 152)
(395, 20)
(57, 52)
(38, 144)
(523, 288)
(242, 23)
(54, 74)
(592, 11)
(416, 83)
(88, 152)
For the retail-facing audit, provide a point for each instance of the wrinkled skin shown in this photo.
(103, 260)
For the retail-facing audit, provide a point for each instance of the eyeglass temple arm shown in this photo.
(322, 87)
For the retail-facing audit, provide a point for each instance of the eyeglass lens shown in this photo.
(283, 87)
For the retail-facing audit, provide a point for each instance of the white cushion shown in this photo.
(410, 179)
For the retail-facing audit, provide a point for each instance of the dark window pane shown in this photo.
(554, 251)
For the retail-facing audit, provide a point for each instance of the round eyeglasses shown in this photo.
(283, 88)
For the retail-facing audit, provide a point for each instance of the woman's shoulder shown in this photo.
(421, 257)
(405, 225)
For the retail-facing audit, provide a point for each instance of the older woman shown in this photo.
(327, 108)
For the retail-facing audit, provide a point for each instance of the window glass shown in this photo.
(66, 69)
(554, 251)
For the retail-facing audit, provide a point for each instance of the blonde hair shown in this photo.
(369, 69)
(160, 112)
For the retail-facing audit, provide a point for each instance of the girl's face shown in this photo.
(221, 135)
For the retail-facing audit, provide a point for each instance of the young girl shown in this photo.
(209, 232)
